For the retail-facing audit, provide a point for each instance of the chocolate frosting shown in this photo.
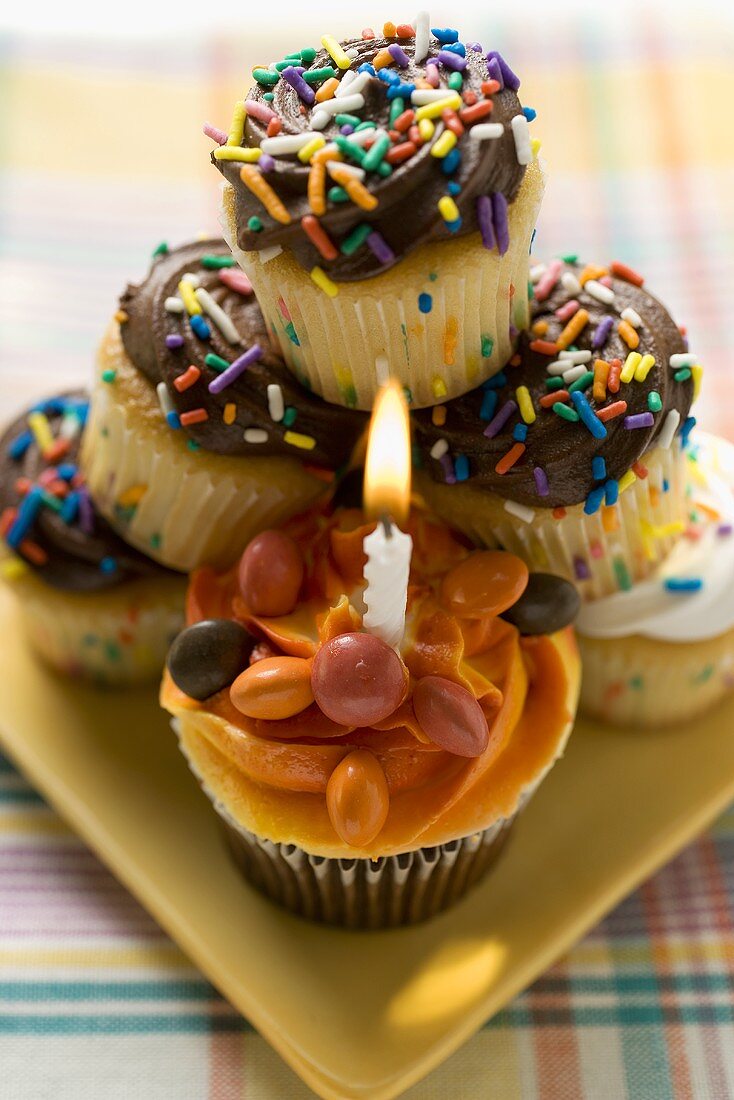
(562, 450)
(150, 328)
(83, 554)
(407, 214)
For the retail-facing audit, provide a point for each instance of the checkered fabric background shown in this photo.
(101, 157)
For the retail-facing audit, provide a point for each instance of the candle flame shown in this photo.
(387, 466)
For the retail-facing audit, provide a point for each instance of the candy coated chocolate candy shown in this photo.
(485, 583)
(207, 656)
(271, 574)
(548, 604)
(450, 716)
(276, 687)
(357, 798)
(358, 679)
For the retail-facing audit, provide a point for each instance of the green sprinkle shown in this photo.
(290, 331)
(105, 432)
(156, 540)
(582, 383)
(570, 258)
(161, 250)
(289, 416)
(193, 445)
(622, 574)
(294, 56)
(317, 76)
(51, 501)
(396, 108)
(555, 382)
(214, 263)
(682, 375)
(433, 275)
(350, 396)
(351, 150)
(109, 375)
(456, 82)
(636, 683)
(531, 291)
(565, 413)
(268, 97)
(355, 239)
(705, 674)
(654, 401)
(337, 194)
(347, 120)
(487, 346)
(266, 76)
(113, 651)
(366, 126)
(254, 224)
(308, 55)
(216, 362)
(280, 65)
(408, 394)
(374, 157)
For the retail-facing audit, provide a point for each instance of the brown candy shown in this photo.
(273, 688)
(358, 679)
(485, 583)
(271, 574)
(450, 716)
(357, 798)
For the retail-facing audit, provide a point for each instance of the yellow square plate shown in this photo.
(360, 1015)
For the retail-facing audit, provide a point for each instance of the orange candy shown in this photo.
(357, 798)
(274, 688)
(485, 583)
(271, 574)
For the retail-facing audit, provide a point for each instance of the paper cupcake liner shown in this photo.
(183, 508)
(114, 638)
(642, 682)
(472, 295)
(603, 553)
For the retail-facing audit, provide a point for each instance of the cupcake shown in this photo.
(358, 783)
(198, 436)
(381, 195)
(90, 605)
(664, 652)
(573, 456)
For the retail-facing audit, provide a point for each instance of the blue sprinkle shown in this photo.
(367, 68)
(20, 445)
(496, 382)
(388, 76)
(666, 485)
(27, 512)
(598, 468)
(453, 227)
(520, 433)
(456, 47)
(489, 405)
(588, 417)
(686, 430)
(461, 468)
(611, 492)
(108, 565)
(54, 406)
(454, 188)
(593, 500)
(70, 508)
(529, 113)
(445, 35)
(200, 327)
(67, 470)
(425, 303)
(451, 161)
(173, 421)
(683, 584)
(403, 90)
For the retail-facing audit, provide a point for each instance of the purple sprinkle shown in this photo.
(234, 370)
(448, 469)
(398, 54)
(346, 130)
(509, 79)
(498, 422)
(514, 331)
(601, 332)
(499, 217)
(484, 220)
(724, 529)
(174, 340)
(380, 248)
(541, 481)
(292, 75)
(266, 162)
(581, 569)
(215, 133)
(639, 420)
(86, 512)
(451, 60)
(494, 71)
(476, 46)
(431, 61)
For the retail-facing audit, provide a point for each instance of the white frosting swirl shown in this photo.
(649, 608)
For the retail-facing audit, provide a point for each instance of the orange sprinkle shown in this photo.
(712, 513)
(357, 192)
(611, 411)
(628, 334)
(475, 111)
(389, 30)
(489, 87)
(575, 326)
(415, 135)
(404, 121)
(188, 379)
(640, 470)
(230, 412)
(549, 399)
(121, 317)
(654, 496)
(58, 488)
(404, 30)
(383, 58)
(196, 416)
(7, 519)
(540, 328)
(470, 98)
(615, 369)
(57, 450)
(35, 553)
(318, 236)
(601, 375)
(327, 90)
(591, 271)
(452, 122)
(317, 187)
(609, 518)
(449, 341)
(515, 361)
(23, 485)
(559, 513)
(322, 474)
(401, 152)
(438, 415)
(274, 127)
(508, 460)
(325, 154)
(544, 347)
(261, 189)
(622, 271)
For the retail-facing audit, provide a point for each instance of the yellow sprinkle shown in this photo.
(324, 283)
(305, 154)
(438, 415)
(434, 110)
(448, 209)
(664, 530)
(327, 90)
(132, 496)
(236, 152)
(188, 297)
(631, 364)
(697, 375)
(626, 480)
(121, 317)
(261, 189)
(296, 439)
(230, 411)
(644, 367)
(525, 403)
(237, 126)
(443, 146)
(592, 271)
(335, 52)
(39, 425)
(535, 144)
(12, 569)
(439, 387)
(426, 129)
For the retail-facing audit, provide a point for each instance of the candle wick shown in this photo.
(387, 525)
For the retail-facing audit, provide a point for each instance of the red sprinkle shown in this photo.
(617, 408)
(404, 30)
(559, 513)
(476, 111)
(452, 122)
(401, 152)
(615, 369)
(35, 553)
(415, 135)
(508, 460)
(549, 399)
(394, 135)
(321, 473)
(23, 485)
(368, 33)
(622, 271)
(274, 127)
(544, 347)
(640, 470)
(58, 488)
(402, 122)
(196, 416)
(57, 450)
(469, 97)
(318, 236)
(188, 379)
(489, 87)
(7, 519)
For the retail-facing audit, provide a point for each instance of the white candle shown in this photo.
(388, 551)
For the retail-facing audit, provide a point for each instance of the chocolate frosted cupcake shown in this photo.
(198, 435)
(90, 604)
(381, 195)
(573, 456)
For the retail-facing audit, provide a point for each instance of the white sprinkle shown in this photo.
(572, 373)
(353, 52)
(597, 290)
(255, 435)
(71, 426)
(276, 404)
(421, 96)
(191, 278)
(329, 107)
(345, 82)
(537, 272)
(164, 399)
(575, 356)
(382, 369)
(422, 36)
(527, 515)
(558, 366)
(484, 131)
(361, 137)
(521, 134)
(439, 449)
(284, 144)
(354, 86)
(632, 317)
(682, 359)
(268, 254)
(670, 427)
(219, 317)
(319, 120)
(173, 305)
(570, 283)
(350, 169)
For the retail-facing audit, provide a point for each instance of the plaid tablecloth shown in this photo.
(100, 159)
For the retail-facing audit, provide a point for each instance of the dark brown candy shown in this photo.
(358, 679)
(450, 716)
(208, 656)
(348, 493)
(271, 574)
(548, 604)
